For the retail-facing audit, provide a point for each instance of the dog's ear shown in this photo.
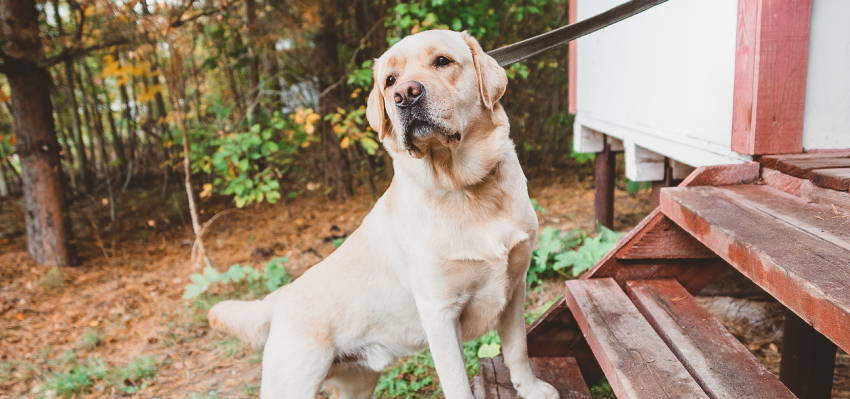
(492, 80)
(375, 112)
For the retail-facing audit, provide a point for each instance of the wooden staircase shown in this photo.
(784, 224)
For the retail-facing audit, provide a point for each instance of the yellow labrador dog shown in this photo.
(440, 259)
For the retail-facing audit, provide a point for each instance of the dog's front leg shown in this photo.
(442, 330)
(512, 332)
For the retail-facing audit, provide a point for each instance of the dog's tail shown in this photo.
(247, 320)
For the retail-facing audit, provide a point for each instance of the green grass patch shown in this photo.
(84, 377)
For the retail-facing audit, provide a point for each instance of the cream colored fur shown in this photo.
(440, 259)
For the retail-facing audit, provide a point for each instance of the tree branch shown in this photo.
(71, 53)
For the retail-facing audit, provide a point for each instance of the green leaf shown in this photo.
(489, 350)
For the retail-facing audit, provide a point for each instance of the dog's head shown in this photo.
(430, 89)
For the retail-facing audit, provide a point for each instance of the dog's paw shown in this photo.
(538, 389)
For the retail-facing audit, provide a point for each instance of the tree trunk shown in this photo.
(48, 227)
(77, 132)
(4, 187)
(254, 65)
(117, 140)
(338, 171)
(98, 121)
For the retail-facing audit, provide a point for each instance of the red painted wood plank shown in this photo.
(563, 373)
(805, 189)
(803, 168)
(722, 366)
(769, 161)
(636, 361)
(826, 222)
(664, 240)
(836, 179)
(771, 60)
(721, 175)
(809, 272)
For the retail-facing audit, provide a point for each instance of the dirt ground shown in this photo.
(128, 288)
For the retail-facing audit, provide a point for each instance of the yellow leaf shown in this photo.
(207, 191)
(338, 129)
(312, 118)
(344, 143)
(299, 115)
(309, 128)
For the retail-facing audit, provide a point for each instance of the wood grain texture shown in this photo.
(805, 189)
(771, 60)
(722, 175)
(636, 361)
(836, 179)
(663, 240)
(722, 366)
(778, 243)
(769, 161)
(803, 168)
(563, 373)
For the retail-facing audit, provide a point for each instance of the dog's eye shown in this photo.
(442, 61)
(390, 80)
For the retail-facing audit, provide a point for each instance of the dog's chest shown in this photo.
(481, 271)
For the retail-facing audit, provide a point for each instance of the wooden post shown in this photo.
(771, 59)
(603, 173)
(808, 359)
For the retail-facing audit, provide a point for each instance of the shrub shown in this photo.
(555, 254)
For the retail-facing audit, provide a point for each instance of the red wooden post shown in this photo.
(604, 170)
(770, 76)
(808, 360)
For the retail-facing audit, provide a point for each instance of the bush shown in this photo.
(555, 254)
(248, 165)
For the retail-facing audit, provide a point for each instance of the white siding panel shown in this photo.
(826, 120)
(663, 79)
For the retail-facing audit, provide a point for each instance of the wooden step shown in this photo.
(636, 361)
(494, 380)
(722, 366)
(796, 251)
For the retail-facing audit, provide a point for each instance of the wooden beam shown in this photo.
(722, 175)
(808, 360)
(605, 167)
(642, 164)
(663, 239)
(715, 358)
(796, 251)
(494, 381)
(637, 363)
(771, 60)
(836, 179)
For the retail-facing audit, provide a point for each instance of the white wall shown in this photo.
(826, 120)
(662, 80)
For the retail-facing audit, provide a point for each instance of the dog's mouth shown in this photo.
(419, 127)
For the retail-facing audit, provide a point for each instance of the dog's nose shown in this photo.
(408, 93)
